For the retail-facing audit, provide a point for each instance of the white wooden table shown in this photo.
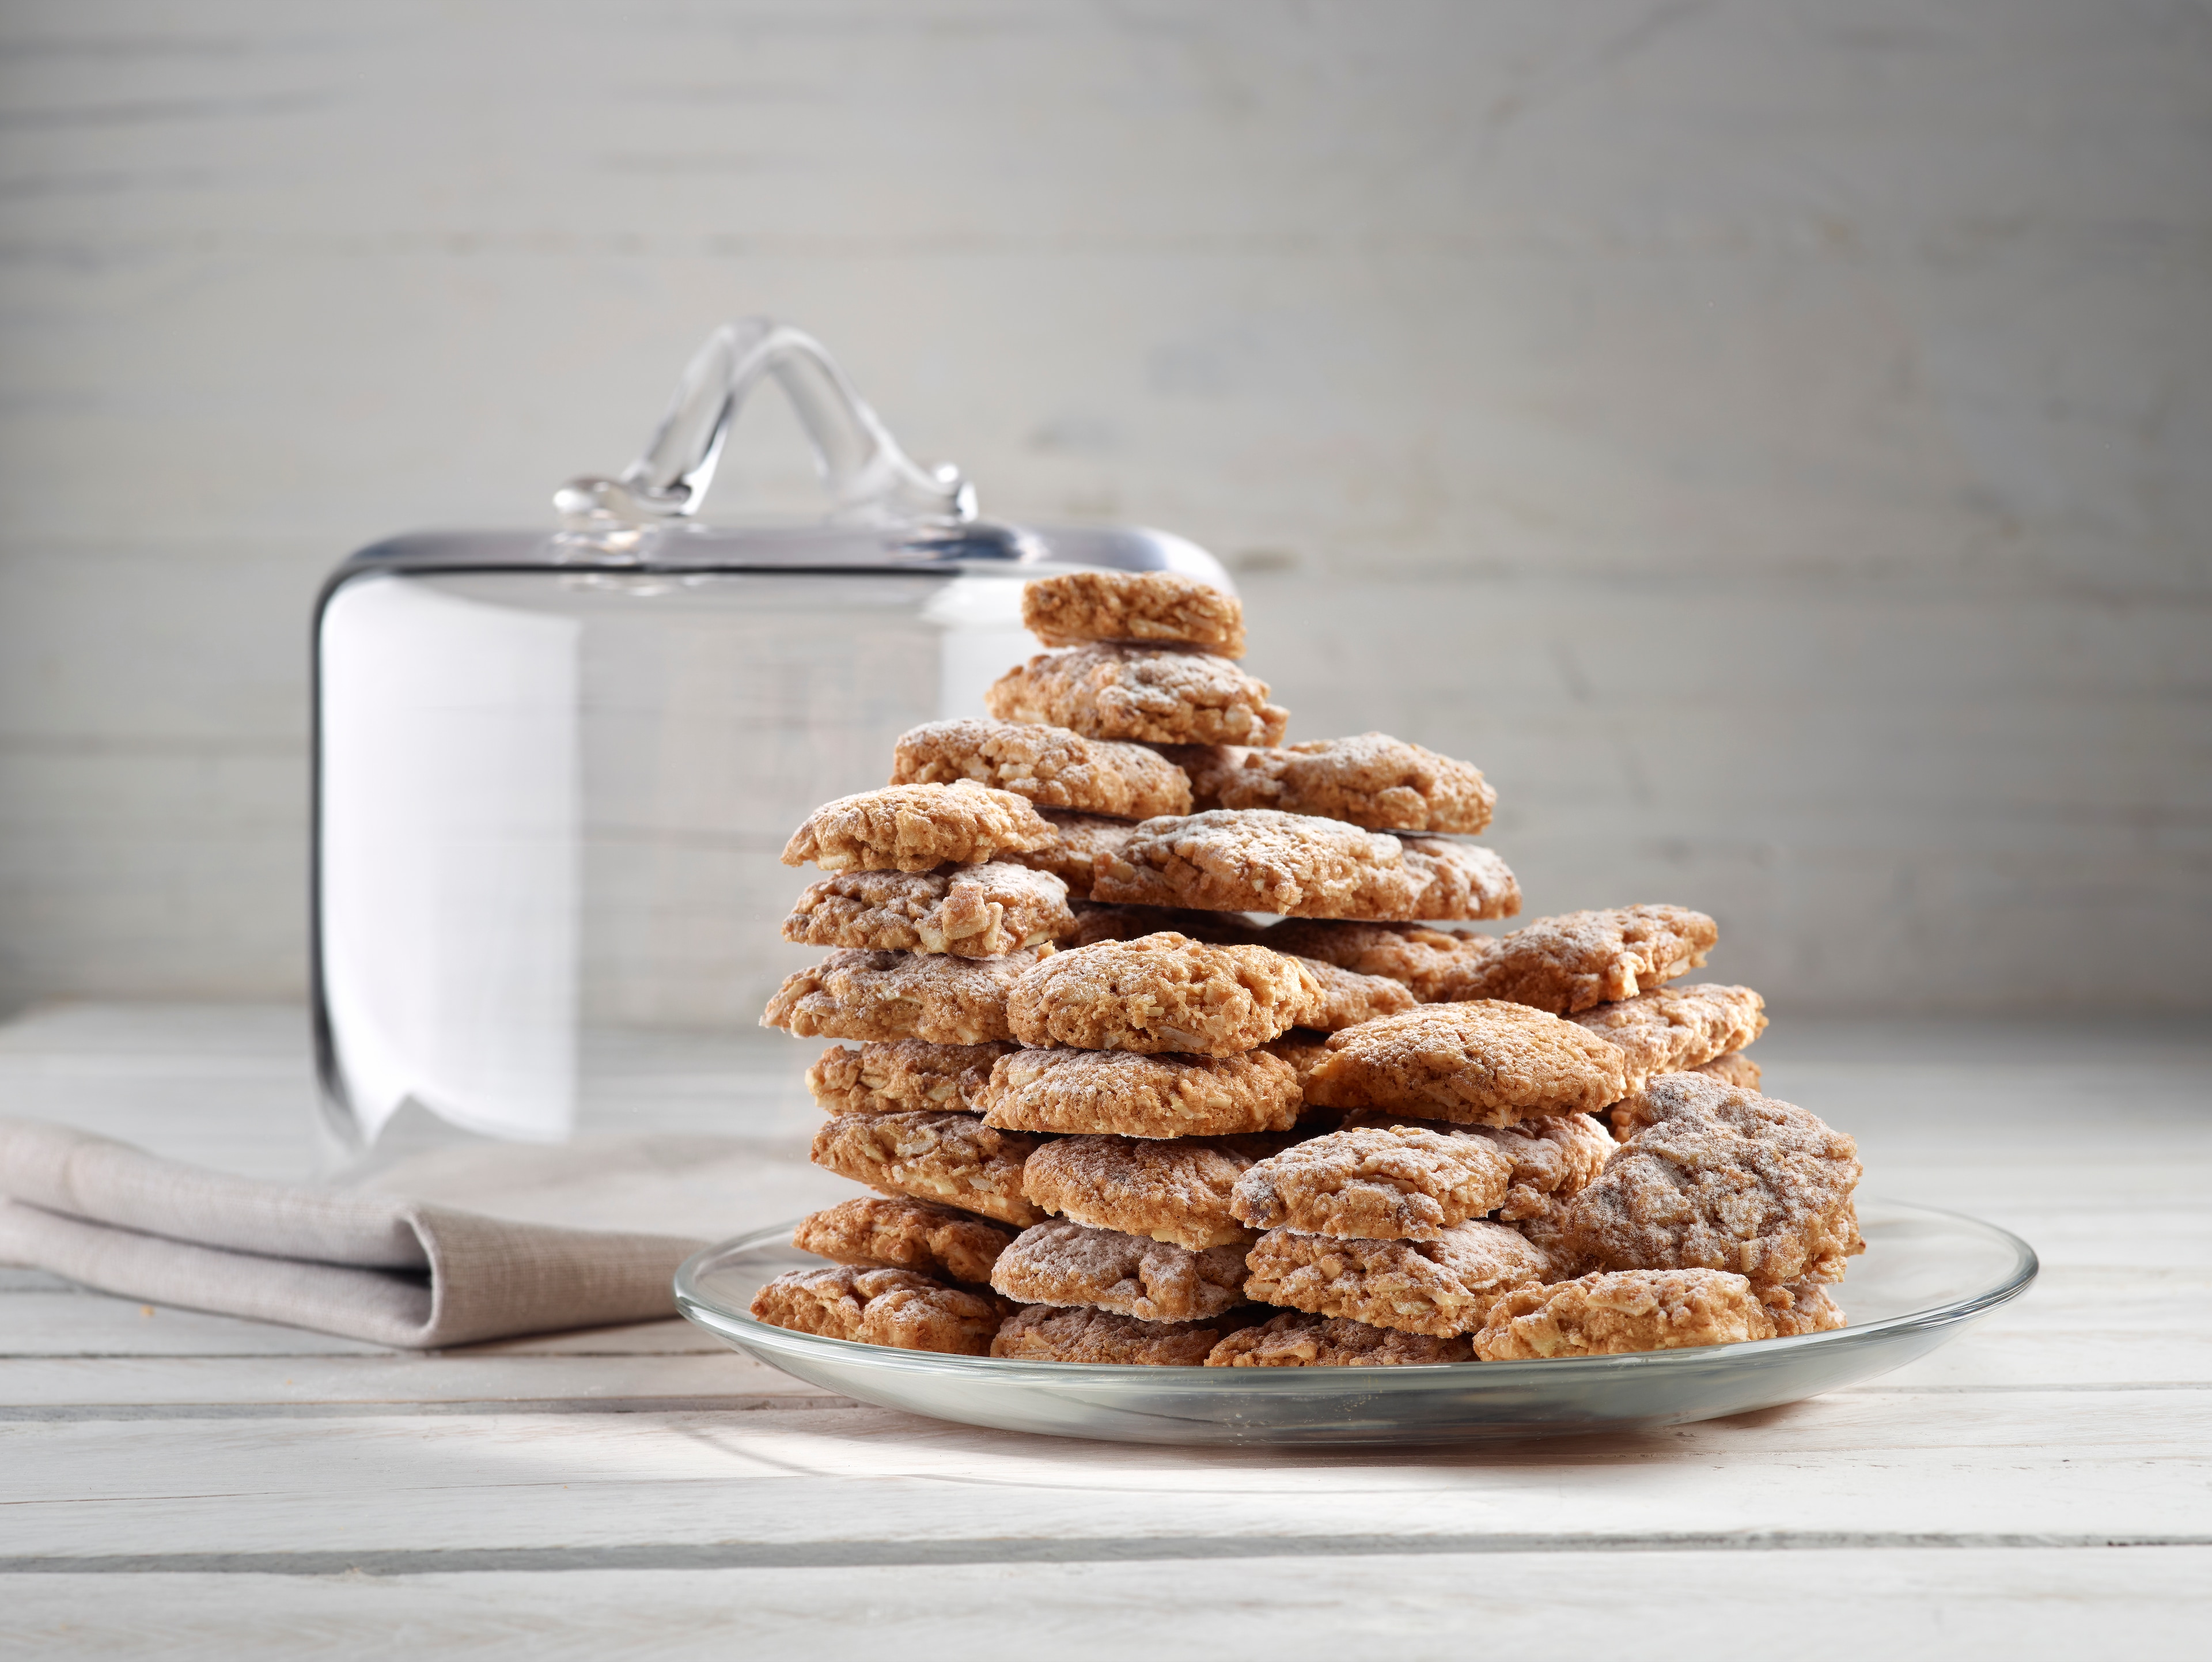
(180, 1484)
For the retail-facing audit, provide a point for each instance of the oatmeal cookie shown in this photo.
(1348, 998)
(1294, 1339)
(1567, 964)
(1553, 1156)
(952, 1159)
(1676, 1028)
(969, 911)
(897, 1234)
(1079, 842)
(1126, 1094)
(1805, 1307)
(1163, 992)
(1302, 1048)
(1423, 958)
(1613, 1314)
(902, 1075)
(1075, 1333)
(1158, 606)
(1050, 766)
(1712, 1176)
(1441, 1287)
(1062, 1263)
(1459, 879)
(894, 1307)
(914, 828)
(1139, 693)
(1169, 1190)
(882, 995)
(1734, 1069)
(1374, 780)
(1394, 1182)
(1095, 922)
(1481, 1063)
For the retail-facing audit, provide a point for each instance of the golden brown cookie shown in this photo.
(1294, 1339)
(883, 995)
(1553, 1156)
(1074, 1333)
(1163, 992)
(1459, 879)
(894, 1307)
(898, 1233)
(1348, 998)
(1173, 1191)
(1713, 1176)
(1374, 780)
(971, 912)
(1483, 1064)
(1152, 607)
(1062, 1263)
(1142, 693)
(1626, 1311)
(1674, 1029)
(952, 1159)
(1441, 1286)
(1805, 1307)
(1095, 922)
(1423, 958)
(1123, 1093)
(1302, 1048)
(1735, 1069)
(1052, 767)
(902, 1075)
(1567, 964)
(1377, 1183)
(1079, 842)
(915, 828)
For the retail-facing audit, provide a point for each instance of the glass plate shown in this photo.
(1926, 1275)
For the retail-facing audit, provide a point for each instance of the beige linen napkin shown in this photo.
(384, 1268)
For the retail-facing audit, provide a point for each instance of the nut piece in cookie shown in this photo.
(902, 1075)
(1482, 1063)
(1348, 998)
(1805, 1307)
(1079, 842)
(1374, 780)
(1163, 992)
(1170, 1190)
(1567, 964)
(1441, 1286)
(1155, 606)
(1123, 1093)
(914, 828)
(954, 1160)
(1142, 693)
(898, 1233)
(1613, 1314)
(1052, 767)
(1062, 1263)
(1377, 1183)
(1095, 922)
(1423, 958)
(1294, 1339)
(885, 996)
(1734, 1069)
(894, 1307)
(1072, 1333)
(971, 912)
(1712, 1176)
(1676, 1028)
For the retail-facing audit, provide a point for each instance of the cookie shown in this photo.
(897, 1234)
(1140, 693)
(1348, 998)
(885, 996)
(1374, 780)
(1134, 605)
(1259, 860)
(1169, 1190)
(1079, 842)
(954, 1160)
(1302, 1048)
(1294, 1339)
(1050, 766)
(1423, 958)
(969, 911)
(1441, 1287)
(1095, 921)
(1622, 1312)
(914, 828)
(1677, 1028)
(1553, 1157)
(1163, 992)
(894, 1307)
(1805, 1307)
(901, 1076)
(1713, 1176)
(1569, 963)
(1377, 1183)
(1065, 1263)
(1072, 1333)
(1734, 1069)
(1126, 1094)
(1482, 1063)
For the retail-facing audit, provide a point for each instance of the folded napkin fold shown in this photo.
(382, 1268)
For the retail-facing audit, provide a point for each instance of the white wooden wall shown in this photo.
(1771, 438)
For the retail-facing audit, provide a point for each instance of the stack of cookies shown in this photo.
(1345, 1136)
